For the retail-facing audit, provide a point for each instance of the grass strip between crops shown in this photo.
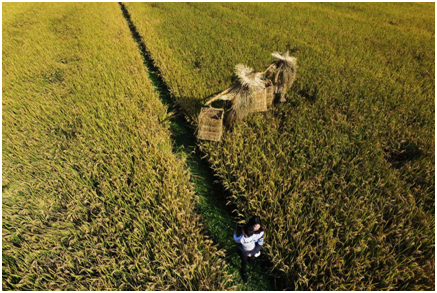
(94, 197)
(217, 216)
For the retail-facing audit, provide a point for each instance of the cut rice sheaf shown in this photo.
(249, 78)
(285, 57)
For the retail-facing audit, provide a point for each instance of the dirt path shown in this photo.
(218, 219)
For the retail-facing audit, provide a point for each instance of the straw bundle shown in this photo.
(248, 94)
(245, 94)
(282, 73)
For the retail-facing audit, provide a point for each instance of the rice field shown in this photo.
(343, 173)
(97, 196)
(93, 197)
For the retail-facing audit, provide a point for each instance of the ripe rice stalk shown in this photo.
(76, 200)
(331, 194)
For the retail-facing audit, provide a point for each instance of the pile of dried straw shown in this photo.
(283, 73)
(252, 92)
(244, 94)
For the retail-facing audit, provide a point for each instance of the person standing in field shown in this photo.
(249, 243)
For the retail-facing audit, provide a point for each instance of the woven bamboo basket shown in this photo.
(259, 102)
(270, 93)
(210, 125)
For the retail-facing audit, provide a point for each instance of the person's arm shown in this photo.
(260, 241)
(258, 244)
(237, 238)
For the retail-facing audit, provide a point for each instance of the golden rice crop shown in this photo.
(342, 174)
(93, 197)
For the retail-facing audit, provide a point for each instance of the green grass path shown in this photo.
(219, 220)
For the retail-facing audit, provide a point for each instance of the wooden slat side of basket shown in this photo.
(270, 94)
(259, 103)
(210, 125)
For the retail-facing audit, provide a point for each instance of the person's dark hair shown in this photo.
(248, 230)
(255, 220)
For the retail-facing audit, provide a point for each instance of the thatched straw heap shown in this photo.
(282, 73)
(252, 92)
(244, 94)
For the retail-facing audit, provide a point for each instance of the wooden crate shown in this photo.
(270, 94)
(210, 125)
(259, 103)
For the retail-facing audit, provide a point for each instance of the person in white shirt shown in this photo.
(249, 243)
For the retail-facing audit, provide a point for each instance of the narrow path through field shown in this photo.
(218, 219)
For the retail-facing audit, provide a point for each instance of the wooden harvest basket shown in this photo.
(259, 103)
(210, 125)
(264, 98)
(270, 94)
